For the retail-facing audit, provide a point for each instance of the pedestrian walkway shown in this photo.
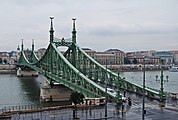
(114, 112)
(133, 112)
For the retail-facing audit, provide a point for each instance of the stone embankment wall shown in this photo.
(138, 67)
(7, 69)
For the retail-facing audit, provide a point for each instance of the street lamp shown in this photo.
(106, 90)
(161, 92)
(123, 82)
(143, 105)
(118, 85)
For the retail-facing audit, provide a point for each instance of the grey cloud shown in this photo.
(119, 21)
(134, 29)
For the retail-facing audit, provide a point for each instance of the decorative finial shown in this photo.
(73, 23)
(74, 31)
(51, 22)
(33, 46)
(18, 48)
(22, 45)
(51, 30)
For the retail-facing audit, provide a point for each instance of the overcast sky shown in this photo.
(129, 25)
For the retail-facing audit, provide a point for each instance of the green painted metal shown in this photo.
(65, 73)
(96, 72)
(33, 58)
(161, 92)
(73, 47)
(54, 66)
(78, 71)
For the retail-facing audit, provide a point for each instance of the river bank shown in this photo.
(7, 71)
(14, 110)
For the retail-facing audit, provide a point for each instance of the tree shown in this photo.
(134, 61)
(76, 98)
(0, 60)
(5, 61)
(126, 60)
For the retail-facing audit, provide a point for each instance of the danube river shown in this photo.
(17, 91)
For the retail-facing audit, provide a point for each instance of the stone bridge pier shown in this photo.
(54, 92)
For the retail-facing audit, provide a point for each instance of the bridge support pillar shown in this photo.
(24, 73)
(57, 92)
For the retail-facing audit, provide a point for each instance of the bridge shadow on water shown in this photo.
(31, 88)
(31, 91)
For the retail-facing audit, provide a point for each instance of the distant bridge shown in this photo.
(76, 70)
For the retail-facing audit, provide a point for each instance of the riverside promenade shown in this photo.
(114, 112)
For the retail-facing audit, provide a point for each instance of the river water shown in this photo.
(169, 86)
(15, 91)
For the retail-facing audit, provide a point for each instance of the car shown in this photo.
(115, 94)
(112, 91)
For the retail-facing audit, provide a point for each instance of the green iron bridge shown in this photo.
(78, 71)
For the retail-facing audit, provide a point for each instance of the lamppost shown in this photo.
(118, 85)
(161, 91)
(143, 105)
(106, 96)
(123, 82)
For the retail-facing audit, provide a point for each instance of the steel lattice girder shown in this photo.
(96, 72)
(78, 73)
(55, 66)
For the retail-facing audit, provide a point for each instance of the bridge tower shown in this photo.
(73, 43)
(51, 31)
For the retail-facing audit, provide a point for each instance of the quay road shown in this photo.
(115, 112)
(153, 112)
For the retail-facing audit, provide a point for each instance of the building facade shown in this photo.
(112, 57)
(165, 56)
(148, 60)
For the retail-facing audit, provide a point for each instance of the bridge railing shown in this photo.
(57, 68)
(19, 108)
(95, 71)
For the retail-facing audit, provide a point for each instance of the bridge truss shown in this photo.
(78, 71)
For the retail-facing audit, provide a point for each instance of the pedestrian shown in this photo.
(90, 103)
(123, 109)
(129, 101)
(124, 93)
